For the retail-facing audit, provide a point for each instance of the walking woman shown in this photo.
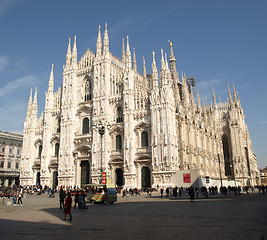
(67, 207)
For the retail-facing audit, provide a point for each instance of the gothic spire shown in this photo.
(99, 43)
(34, 104)
(229, 96)
(74, 53)
(154, 72)
(144, 67)
(172, 57)
(234, 93)
(29, 110)
(128, 54)
(106, 41)
(134, 61)
(123, 53)
(51, 80)
(68, 55)
(213, 98)
(198, 102)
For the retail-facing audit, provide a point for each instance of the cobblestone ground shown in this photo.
(140, 217)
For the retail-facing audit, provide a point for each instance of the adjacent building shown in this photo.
(108, 122)
(263, 176)
(10, 158)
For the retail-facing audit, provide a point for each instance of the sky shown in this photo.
(216, 42)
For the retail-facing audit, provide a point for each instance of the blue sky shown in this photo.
(215, 41)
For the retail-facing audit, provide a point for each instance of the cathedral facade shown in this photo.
(107, 122)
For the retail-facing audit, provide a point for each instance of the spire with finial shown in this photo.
(154, 72)
(234, 93)
(34, 104)
(29, 110)
(198, 102)
(128, 54)
(74, 54)
(230, 96)
(144, 67)
(68, 55)
(123, 53)
(163, 69)
(99, 43)
(213, 98)
(172, 57)
(106, 41)
(51, 80)
(134, 61)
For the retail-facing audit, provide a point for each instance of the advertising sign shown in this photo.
(187, 178)
(104, 177)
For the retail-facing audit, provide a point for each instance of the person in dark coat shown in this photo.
(191, 193)
(62, 196)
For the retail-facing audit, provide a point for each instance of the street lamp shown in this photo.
(100, 127)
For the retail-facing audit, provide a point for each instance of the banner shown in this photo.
(187, 178)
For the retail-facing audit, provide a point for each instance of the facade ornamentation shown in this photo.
(158, 132)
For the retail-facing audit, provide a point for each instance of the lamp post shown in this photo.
(220, 169)
(100, 128)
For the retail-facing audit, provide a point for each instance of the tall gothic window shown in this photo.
(144, 139)
(40, 148)
(119, 117)
(88, 90)
(226, 154)
(56, 149)
(118, 142)
(85, 125)
(58, 125)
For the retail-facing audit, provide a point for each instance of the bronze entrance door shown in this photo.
(55, 181)
(145, 175)
(85, 172)
(119, 177)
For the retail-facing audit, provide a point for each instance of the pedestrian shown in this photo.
(161, 192)
(191, 193)
(14, 198)
(76, 199)
(67, 207)
(62, 196)
(20, 197)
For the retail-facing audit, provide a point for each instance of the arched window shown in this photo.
(40, 151)
(118, 142)
(85, 125)
(119, 117)
(56, 149)
(144, 139)
(88, 90)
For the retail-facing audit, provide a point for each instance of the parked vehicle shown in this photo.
(101, 193)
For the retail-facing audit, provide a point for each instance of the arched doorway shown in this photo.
(38, 181)
(85, 172)
(145, 175)
(119, 177)
(55, 181)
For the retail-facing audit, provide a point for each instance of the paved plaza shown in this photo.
(140, 217)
